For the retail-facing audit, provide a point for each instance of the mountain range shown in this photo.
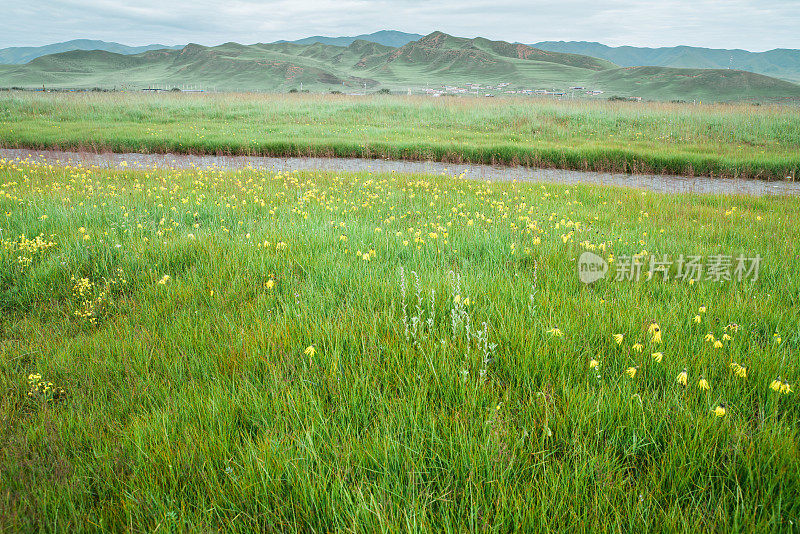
(427, 63)
(780, 63)
(17, 55)
(384, 37)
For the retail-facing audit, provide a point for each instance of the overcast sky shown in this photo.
(749, 24)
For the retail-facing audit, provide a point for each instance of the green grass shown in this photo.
(728, 141)
(192, 404)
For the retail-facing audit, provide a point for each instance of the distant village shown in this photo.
(504, 89)
(468, 89)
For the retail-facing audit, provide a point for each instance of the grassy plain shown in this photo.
(197, 350)
(719, 140)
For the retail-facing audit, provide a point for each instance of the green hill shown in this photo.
(779, 63)
(23, 54)
(490, 61)
(431, 62)
(693, 84)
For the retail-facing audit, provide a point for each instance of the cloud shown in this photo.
(749, 24)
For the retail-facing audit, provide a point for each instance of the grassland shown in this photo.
(200, 350)
(717, 140)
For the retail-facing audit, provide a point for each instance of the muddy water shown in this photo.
(660, 183)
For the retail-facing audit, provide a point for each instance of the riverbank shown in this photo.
(734, 141)
(659, 183)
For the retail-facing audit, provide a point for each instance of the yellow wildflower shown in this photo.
(656, 335)
(683, 377)
(739, 370)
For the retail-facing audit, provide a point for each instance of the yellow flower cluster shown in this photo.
(92, 297)
(43, 390)
(27, 248)
(366, 256)
(740, 371)
(780, 386)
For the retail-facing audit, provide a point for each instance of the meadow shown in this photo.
(714, 140)
(197, 350)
